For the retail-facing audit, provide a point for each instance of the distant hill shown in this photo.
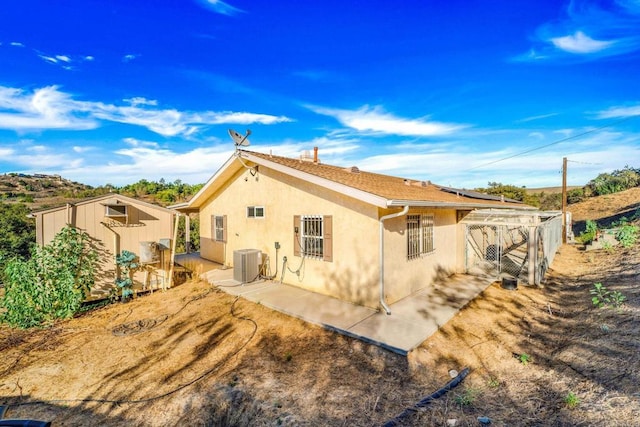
(551, 190)
(40, 191)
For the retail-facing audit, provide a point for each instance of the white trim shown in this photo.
(255, 216)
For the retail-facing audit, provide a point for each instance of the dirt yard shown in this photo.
(197, 356)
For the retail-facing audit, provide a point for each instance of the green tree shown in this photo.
(51, 284)
(18, 233)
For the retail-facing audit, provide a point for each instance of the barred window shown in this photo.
(312, 236)
(419, 235)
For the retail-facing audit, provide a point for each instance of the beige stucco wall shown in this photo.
(404, 277)
(353, 274)
(110, 236)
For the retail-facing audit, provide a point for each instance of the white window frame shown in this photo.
(218, 227)
(252, 212)
(420, 232)
(312, 236)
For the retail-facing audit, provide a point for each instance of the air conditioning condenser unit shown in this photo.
(246, 265)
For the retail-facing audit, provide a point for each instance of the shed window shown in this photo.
(255, 211)
(419, 235)
(115, 210)
(219, 228)
(313, 236)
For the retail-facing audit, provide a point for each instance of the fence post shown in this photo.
(533, 249)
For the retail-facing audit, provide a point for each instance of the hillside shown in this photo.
(195, 355)
(41, 191)
(606, 209)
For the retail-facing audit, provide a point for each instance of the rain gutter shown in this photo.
(382, 220)
(454, 205)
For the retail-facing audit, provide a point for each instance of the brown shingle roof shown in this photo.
(388, 187)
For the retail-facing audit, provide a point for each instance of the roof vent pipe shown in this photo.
(382, 220)
(315, 154)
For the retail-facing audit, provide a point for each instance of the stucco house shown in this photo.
(116, 223)
(366, 238)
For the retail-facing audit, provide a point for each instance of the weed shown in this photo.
(288, 356)
(627, 235)
(525, 359)
(493, 382)
(467, 397)
(602, 297)
(590, 232)
(571, 400)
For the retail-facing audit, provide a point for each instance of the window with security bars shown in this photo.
(312, 236)
(419, 235)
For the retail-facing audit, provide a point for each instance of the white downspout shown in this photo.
(382, 220)
(173, 248)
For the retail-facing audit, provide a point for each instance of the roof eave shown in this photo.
(363, 196)
(454, 205)
(196, 201)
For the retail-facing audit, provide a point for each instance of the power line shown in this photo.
(554, 143)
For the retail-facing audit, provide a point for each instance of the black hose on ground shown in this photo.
(427, 400)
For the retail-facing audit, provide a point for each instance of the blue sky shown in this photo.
(461, 92)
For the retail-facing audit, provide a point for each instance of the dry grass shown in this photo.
(184, 357)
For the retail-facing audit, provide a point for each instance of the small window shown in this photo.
(219, 228)
(419, 235)
(115, 210)
(255, 212)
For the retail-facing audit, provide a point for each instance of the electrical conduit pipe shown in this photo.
(382, 220)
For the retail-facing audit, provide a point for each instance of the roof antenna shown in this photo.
(238, 139)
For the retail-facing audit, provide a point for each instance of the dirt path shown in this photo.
(196, 356)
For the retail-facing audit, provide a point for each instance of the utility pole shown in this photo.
(564, 200)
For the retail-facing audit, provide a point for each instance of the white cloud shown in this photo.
(16, 44)
(45, 108)
(240, 118)
(63, 58)
(129, 58)
(376, 120)
(133, 142)
(49, 59)
(221, 7)
(135, 101)
(89, 58)
(82, 149)
(50, 108)
(580, 43)
(587, 30)
(539, 117)
(5, 153)
(620, 112)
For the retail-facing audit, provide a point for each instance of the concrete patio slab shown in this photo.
(412, 320)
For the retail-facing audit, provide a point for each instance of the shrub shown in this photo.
(590, 232)
(126, 260)
(603, 297)
(53, 283)
(627, 235)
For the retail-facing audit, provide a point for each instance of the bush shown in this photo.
(589, 234)
(52, 284)
(627, 235)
